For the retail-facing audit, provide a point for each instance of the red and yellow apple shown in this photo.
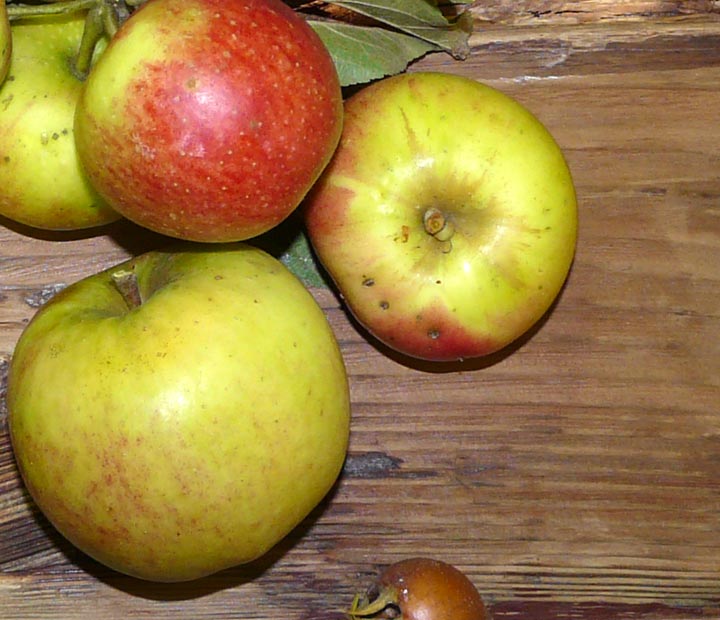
(179, 413)
(447, 217)
(209, 120)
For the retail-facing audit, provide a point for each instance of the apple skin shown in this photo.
(447, 217)
(5, 41)
(41, 181)
(188, 434)
(210, 120)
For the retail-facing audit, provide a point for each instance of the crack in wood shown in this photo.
(375, 465)
(39, 298)
(370, 465)
(4, 368)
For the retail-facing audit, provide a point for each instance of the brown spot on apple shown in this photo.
(413, 143)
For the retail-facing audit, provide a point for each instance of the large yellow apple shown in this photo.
(447, 216)
(180, 413)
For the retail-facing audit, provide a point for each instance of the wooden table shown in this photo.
(575, 476)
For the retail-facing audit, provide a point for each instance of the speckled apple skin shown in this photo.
(210, 120)
(421, 141)
(189, 434)
(41, 181)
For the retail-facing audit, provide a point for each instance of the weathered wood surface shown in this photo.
(578, 475)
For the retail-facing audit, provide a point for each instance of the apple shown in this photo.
(209, 120)
(420, 588)
(41, 182)
(5, 41)
(180, 413)
(447, 217)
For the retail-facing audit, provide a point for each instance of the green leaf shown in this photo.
(363, 53)
(288, 243)
(298, 257)
(419, 18)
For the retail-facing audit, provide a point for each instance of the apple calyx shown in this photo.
(438, 225)
(379, 602)
(126, 283)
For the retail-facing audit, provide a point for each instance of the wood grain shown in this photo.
(574, 475)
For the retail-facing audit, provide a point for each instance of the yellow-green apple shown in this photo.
(41, 181)
(447, 217)
(210, 120)
(5, 41)
(179, 413)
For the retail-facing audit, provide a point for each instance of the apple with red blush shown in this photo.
(447, 217)
(209, 120)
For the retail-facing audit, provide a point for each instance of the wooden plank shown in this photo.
(549, 13)
(573, 476)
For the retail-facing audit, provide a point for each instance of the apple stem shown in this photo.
(126, 282)
(22, 11)
(103, 18)
(437, 225)
(363, 608)
(92, 33)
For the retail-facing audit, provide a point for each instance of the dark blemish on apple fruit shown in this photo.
(404, 235)
(368, 282)
(434, 334)
(384, 305)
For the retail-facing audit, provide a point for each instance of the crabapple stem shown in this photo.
(126, 282)
(110, 20)
(93, 31)
(20, 11)
(362, 608)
